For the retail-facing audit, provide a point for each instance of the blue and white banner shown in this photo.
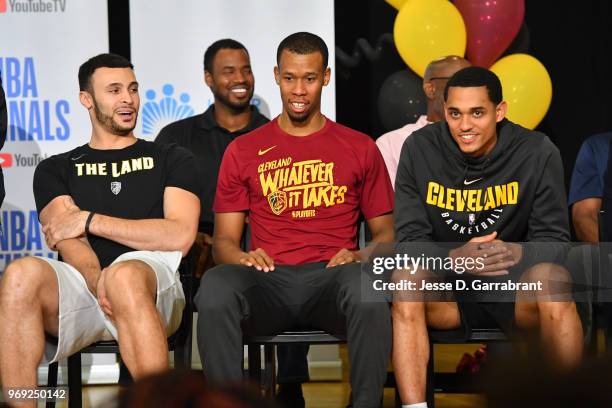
(44, 43)
(169, 40)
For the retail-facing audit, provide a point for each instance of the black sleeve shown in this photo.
(181, 170)
(3, 116)
(411, 220)
(548, 221)
(49, 182)
(166, 136)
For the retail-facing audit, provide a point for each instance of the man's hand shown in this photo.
(510, 253)
(101, 295)
(344, 256)
(496, 256)
(68, 224)
(259, 259)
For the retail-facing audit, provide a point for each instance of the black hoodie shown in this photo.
(443, 195)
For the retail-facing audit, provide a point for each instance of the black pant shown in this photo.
(235, 299)
(292, 363)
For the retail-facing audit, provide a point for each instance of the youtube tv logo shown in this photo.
(6, 159)
(2, 6)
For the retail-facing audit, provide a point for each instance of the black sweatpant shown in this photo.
(235, 299)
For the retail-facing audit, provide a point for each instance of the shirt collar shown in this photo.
(209, 122)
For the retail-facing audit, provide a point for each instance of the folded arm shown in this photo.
(74, 251)
(175, 232)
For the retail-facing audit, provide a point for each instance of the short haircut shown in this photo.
(474, 77)
(87, 69)
(303, 43)
(214, 48)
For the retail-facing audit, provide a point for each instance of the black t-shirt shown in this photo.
(202, 135)
(125, 183)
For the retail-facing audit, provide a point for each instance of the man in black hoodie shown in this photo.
(480, 178)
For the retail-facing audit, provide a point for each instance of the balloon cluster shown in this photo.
(480, 30)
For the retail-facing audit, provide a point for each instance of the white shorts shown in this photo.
(81, 320)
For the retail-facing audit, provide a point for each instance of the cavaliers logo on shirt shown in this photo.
(301, 187)
(278, 202)
(115, 187)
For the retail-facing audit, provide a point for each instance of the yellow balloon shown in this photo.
(526, 86)
(396, 3)
(425, 30)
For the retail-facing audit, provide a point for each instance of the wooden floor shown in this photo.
(333, 394)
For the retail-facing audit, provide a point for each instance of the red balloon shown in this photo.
(491, 26)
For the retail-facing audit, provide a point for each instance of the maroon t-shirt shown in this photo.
(304, 194)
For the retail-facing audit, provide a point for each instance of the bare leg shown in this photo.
(553, 314)
(29, 306)
(131, 288)
(411, 342)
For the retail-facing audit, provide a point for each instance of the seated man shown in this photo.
(303, 180)
(478, 177)
(228, 74)
(586, 188)
(121, 212)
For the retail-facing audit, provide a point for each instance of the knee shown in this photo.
(217, 290)
(128, 274)
(129, 283)
(556, 311)
(547, 272)
(408, 312)
(554, 282)
(21, 281)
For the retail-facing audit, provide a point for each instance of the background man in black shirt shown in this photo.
(227, 72)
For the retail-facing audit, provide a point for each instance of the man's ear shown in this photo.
(86, 99)
(208, 79)
(500, 111)
(428, 88)
(326, 76)
(277, 75)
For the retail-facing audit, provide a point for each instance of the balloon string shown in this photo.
(362, 49)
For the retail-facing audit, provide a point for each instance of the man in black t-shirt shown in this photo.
(121, 212)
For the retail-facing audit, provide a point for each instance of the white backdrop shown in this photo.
(168, 45)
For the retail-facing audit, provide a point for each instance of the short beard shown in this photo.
(300, 118)
(236, 107)
(109, 124)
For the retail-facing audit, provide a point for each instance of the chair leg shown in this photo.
(182, 350)
(52, 381)
(270, 370)
(254, 355)
(74, 381)
(430, 387)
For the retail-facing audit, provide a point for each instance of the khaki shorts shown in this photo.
(81, 320)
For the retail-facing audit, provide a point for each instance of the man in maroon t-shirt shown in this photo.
(304, 181)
